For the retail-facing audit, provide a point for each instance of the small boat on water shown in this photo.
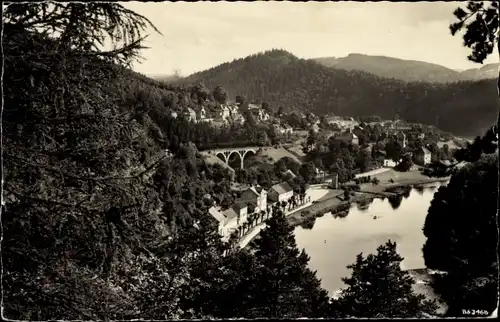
(375, 217)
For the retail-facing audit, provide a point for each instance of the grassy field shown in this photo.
(260, 161)
(277, 153)
(399, 179)
(213, 159)
(297, 151)
(410, 177)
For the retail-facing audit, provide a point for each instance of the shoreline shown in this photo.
(340, 208)
(337, 207)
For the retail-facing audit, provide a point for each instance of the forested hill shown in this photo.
(278, 77)
(407, 70)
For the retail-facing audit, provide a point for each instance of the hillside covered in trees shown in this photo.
(407, 70)
(464, 108)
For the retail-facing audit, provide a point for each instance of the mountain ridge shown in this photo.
(407, 70)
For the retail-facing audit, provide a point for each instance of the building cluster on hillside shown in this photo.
(260, 114)
(231, 219)
(283, 129)
(342, 123)
(223, 114)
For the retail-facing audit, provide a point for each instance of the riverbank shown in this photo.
(389, 182)
(331, 201)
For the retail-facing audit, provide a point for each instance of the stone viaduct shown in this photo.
(225, 153)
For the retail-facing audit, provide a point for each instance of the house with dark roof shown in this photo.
(257, 196)
(422, 156)
(348, 138)
(221, 220)
(290, 174)
(235, 216)
(230, 219)
(280, 192)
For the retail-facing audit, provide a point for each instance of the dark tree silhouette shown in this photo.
(379, 288)
(481, 25)
(220, 94)
(461, 231)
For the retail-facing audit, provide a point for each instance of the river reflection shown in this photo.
(395, 201)
(333, 243)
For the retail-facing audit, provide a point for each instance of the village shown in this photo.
(255, 204)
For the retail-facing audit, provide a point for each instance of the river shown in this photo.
(333, 243)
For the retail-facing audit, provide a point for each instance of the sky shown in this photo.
(200, 35)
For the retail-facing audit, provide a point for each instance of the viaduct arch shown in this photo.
(225, 154)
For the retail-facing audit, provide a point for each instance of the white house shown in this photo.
(280, 192)
(220, 218)
(389, 163)
(190, 114)
(423, 156)
(226, 112)
(320, 174)
(239, 211)
(206, 120)
(287, 129)
(201, 114)
(279, 129)
(222, 113)
(230, 219)
(265, 116)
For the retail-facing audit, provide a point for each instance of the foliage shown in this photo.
(405, 164)
(486, 144)
(271, 280)
(77, 163)
(462, 236)
(480, 34)
(394, 150)
(338, 157)
(220, 94)
(379, 288)
(93, 206)
(288, 288)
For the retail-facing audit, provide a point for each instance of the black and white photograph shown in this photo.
(224, 160)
